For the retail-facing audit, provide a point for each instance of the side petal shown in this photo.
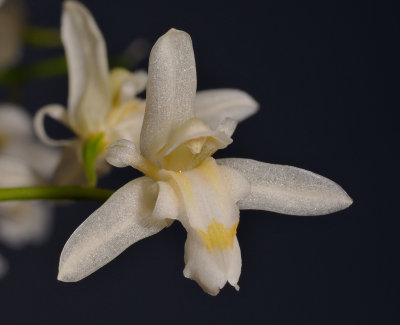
(213, 106)
(56, 112)
(171, 89)
(288, 190)
(125, 218)
(89, 90)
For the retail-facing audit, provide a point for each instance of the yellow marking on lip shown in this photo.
(218, 236)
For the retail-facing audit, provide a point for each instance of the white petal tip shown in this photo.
(66, 276)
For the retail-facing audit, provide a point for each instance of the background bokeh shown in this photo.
(324, 74)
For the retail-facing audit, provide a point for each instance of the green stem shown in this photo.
(43, 37)
(54, 193)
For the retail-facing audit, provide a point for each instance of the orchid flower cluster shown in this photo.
(170, 137)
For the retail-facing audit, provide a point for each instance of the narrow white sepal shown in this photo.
(56, 112)
(171, 90)
(89, 89)
(125, 218)
(287, 189)
(213, 106)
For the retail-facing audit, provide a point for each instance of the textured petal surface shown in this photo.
(213, 106)
(125, 218)
(171, 89)
(89, 91)
(211, 270)
(288, 190)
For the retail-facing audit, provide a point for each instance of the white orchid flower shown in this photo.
(103, 108)
(12, 20)
(183, 182)
(23, 162)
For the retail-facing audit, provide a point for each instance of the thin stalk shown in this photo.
(54, 193)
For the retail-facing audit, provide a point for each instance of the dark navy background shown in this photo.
(325, 74)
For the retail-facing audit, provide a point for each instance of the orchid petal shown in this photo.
(125, 85)
(210, 270)
(227, 126)
(171, 89)
(89, 90)
(287, 189)
(128, 122)
(213, 106)
(56, 112)
(125, 218)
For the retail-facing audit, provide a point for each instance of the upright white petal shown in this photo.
(288, 190)
(125, 218)
(171, 89)
(89, 90)
(214, 106)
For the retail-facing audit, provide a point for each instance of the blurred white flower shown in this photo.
(23, 162)
(102, 107)
(12, 20)
(18, 140)
(184, 182)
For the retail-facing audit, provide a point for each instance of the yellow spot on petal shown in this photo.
(218, 236)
